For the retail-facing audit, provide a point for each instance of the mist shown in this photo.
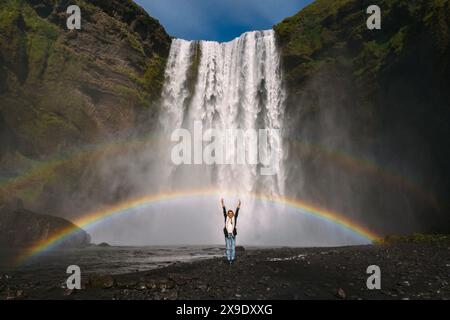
(240, 85)
(199, 222)
(234, 85)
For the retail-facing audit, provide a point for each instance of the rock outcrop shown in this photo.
(21, 228)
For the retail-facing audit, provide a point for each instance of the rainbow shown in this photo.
(126, 206)
(38, 170)
(42, 169)
(366, 166)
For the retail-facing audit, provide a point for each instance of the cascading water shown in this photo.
(235, 85)
(226, 86)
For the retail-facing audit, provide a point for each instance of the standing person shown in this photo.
(230, 231)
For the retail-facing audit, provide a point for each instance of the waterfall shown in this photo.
(227, 86)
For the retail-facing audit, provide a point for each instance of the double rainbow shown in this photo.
(40, 170)
(127, 206)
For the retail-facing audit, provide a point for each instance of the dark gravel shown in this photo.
(408, 271)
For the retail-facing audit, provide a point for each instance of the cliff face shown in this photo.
(22, 228)
(371, 109)
(368, 110)
(60, 88)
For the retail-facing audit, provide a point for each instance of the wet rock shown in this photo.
(165, 284)
(309, 294)
(10, 295)
(15, 295)
(179, 280)
(170, 295)
(404, 284)
(104, 245)
(4, 277)
(104, 282)
(202, 287)
(122, 284)
(151, 285)
(341, 293)
(69, 292)
(141, 286)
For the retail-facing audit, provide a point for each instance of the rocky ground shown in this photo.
(408, 271)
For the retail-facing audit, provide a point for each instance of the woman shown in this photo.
(230, 231)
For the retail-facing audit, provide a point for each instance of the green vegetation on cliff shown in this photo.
(327, 31)
(61, 90)
(60, 87)
(380, 95)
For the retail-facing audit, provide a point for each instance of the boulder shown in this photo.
(104, 245)
(101, 281)
(20, 227)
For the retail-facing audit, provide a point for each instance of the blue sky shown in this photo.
(219, 20)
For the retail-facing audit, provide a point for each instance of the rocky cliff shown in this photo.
(370, 109)
(59, 88)
(62, 90)
(21, 228)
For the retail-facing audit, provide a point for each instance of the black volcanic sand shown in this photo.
(409, 271)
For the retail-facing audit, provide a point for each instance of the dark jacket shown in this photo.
(236, 214)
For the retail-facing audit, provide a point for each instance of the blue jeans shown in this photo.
(230, 242)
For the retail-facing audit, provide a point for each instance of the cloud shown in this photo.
(220, 20)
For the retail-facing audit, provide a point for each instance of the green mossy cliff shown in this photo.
(378, 96)
(63, 90)
(60, 88)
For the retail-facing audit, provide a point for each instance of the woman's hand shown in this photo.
(221, 202)
(239, 204)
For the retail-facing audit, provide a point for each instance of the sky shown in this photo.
(219, 20)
